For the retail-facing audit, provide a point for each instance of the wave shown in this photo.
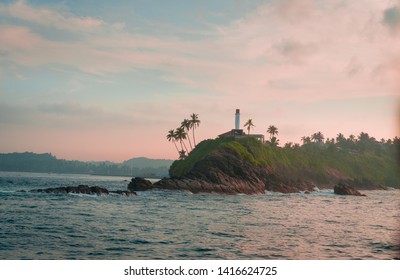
(83, 195)
(8, 191)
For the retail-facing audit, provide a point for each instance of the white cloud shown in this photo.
(301, 42)
(48, 17)
(284, 52)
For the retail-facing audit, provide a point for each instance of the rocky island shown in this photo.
(245, 165)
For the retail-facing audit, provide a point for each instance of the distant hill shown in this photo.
(48, 163)
(148, 162)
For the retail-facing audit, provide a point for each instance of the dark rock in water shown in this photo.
(127, 193)
(282, 188)
(139, 184)
(83, 189)
(343, 189)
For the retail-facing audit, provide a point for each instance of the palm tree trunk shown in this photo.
(180, 141)
(190, 143)
(185, 146)
(176, 146)
(194, 139)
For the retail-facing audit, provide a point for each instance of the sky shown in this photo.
(105, 80)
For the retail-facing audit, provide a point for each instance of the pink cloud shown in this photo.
(282, 56)
(388, 72)
(48, 17)
(262, 49)
(294, 10)
(17, 37)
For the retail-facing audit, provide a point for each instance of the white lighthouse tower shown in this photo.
(237, 119)
(237, 132)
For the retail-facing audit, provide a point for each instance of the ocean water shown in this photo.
(181, 225)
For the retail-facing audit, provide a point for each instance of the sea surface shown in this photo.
(181, 225)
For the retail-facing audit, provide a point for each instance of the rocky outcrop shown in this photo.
(139, 184)
(203, 186)
(246, 166)
(83, 189)
(343, 189)
(282, 188)
(221, 172)
(225, 172)
(121, 192)
(280, 184)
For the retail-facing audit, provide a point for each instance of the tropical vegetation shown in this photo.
(358, 158)
(272, 130)
(249, 125)
(194, 122)
(181, 134)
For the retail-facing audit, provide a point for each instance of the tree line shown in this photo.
(360, 143)
(363, 142)
(48, 163)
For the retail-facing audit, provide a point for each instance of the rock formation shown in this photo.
(343, 189)
(232, 168)
(83, 189)
(221, 172)
(139, 184)
(122, 192)
(246, 166)
(225, 172)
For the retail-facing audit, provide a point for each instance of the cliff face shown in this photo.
(220, 172)
(226, 166)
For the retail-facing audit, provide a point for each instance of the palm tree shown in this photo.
(314, 137)
(289, 145)
(272, 130)
(329, 141)
(181, 134)
(318, 137)
(172, 137)
(182, 154)
(249, 124)
(274, 141)
(340, 139)
(364, 137)
(306, 140)
(194, 122)
(186, 124)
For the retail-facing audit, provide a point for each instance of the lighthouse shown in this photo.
(237, 119)
(237, 132)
